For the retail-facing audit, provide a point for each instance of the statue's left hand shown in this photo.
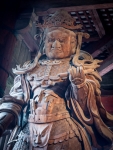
(76, 75)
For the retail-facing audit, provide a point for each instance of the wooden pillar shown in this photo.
(7, 41)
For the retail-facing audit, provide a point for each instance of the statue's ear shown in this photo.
(73, 50)
(74, 43)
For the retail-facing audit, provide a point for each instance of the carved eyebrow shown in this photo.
(44, 130)
(49, 35)
(62, 36)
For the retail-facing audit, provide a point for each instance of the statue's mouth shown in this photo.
(56, 50)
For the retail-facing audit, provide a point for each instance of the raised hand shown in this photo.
(76, 75)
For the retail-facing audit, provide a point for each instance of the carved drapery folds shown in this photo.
(61, 91)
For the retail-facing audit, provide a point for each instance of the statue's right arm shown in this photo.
(11, 106)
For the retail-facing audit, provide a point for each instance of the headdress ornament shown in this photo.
(60, 18)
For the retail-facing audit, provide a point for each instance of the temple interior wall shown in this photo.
(20, 55)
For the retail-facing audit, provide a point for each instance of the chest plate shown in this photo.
(48, 73)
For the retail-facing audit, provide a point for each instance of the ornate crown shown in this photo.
(60, 18)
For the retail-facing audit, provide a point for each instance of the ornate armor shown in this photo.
(61, 96)
(49, 120)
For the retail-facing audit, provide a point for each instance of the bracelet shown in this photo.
(81, 80)
(79, 85)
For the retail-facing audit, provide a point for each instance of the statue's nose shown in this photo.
(56, 44)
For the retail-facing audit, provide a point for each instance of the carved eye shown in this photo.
(61, 41)
(43, 134)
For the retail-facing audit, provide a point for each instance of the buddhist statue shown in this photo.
(55, 103)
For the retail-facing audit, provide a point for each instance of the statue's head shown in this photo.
(59, 39)
(59, 43)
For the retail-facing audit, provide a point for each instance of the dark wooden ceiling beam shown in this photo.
(28, 40)
(106, 92)
(108, 103)
(106, 66)
(97, 23)
(97, 47)
(74, 8)
(107, 47)
(91, 39)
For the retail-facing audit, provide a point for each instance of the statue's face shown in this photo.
(40, 134)
(58, 44)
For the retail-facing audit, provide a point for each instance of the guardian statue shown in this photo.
(55, 102)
